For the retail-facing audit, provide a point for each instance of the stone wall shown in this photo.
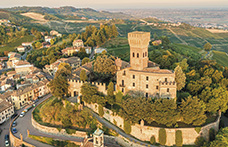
(55, 131)
(144, 133)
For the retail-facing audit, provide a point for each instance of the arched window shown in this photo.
(167, 89)
(137, 55)
(133, 55)
(145, 53)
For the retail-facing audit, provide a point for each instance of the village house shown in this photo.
(23, 67)
(26, 44)
(48, 38)
(13, 59)
(87, 67)
(71, 50)
(21, 48)
(6, 109)
(26, 94)
(55, 33)
(74, 62)
(78, 43)
(99, 50)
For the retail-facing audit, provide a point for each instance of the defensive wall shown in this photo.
(144, 133)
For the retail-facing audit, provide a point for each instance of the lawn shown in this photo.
(12, 45)
(221, 58)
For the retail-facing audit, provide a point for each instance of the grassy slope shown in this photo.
(221, 58)
(12, 45)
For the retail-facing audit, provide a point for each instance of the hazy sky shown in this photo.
(115, 4)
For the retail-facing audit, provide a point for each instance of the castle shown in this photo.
(141, 75)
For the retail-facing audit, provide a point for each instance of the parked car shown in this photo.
(36, 100)
(14, 115)
(14, 124)
(22, 114)
(6, 140)
(14, 130)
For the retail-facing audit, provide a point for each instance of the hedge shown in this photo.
(162, 136)
(127, 127)
(152, 140)
(199, 141)
(101, 110)
(178, 138)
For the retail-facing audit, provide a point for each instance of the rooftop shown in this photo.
(4, 105)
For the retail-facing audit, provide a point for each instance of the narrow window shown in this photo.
(137, 55)
(147, 78)
(156, 87)
(143, 54)
(124, 73)
(167, 89)
(122, 89)
(147, 86)
(165, 79)
(133, 55)
(133, 76)
(133, 84)
(122, 82)
(146, 94)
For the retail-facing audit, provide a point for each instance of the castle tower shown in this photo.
(98, 138)
(139, 42)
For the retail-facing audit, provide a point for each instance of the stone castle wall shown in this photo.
(55, 131)
(75, 86)
(144, 133)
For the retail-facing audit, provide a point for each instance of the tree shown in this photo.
(58, 86)
(183, 64)
(64, 69)
(215, 99)
(104, 64)
(100, 111)
(110, 91)
(38, 45)
(114, 31)
(193, 111)
(162, 136)
(152, 140)
(180, 78)
(212, 134)
(207, 46)
(85, 60)
(221, 139)
(119, 97)
(199, 141)
(178, 138)
(83, 76)
(88, 91)
(127, 127)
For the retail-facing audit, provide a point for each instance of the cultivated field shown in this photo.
(221, 58)
(36, 16)
(217, 31)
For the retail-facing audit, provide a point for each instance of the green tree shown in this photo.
(193, 111)
(199, 141)
(212, 134)
(38, 45)
(127, 127)
(119, 97)
(100, 110)
(207, 46)
(88, 91)
(221, 139)
(152, 140)
(180, 78)
(178, 138)
(183, 64)
(83, 76)
(114, 31)
(162, 136)
(85, 60)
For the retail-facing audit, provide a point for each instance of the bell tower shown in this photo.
(139, 42)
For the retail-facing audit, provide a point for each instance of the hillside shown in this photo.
(72, 11)
(221, 58)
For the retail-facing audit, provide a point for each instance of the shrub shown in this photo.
(127, 127)
(162, 136)
(70, 131)
(198, 129)
(212, 134)
(199, 141)
(152, 140)
(179, 139)
(101, 110)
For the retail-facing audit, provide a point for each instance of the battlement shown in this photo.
(139, 39)
(168, 83)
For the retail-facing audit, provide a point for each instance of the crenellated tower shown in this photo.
(139, 42)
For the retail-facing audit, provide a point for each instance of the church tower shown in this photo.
(139, 42)
(98, 138)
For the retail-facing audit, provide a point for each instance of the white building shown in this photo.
(99, 50)
(6, 110)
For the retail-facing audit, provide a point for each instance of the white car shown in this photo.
(22, 114)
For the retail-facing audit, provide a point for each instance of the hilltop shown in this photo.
(71, 11)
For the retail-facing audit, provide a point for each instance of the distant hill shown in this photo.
(72, 11)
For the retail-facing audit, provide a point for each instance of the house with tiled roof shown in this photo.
(23, 67)
(21, 48)
(6, 109)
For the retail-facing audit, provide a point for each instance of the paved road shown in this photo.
(25, 123)
(5, 130)
(111, 126)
